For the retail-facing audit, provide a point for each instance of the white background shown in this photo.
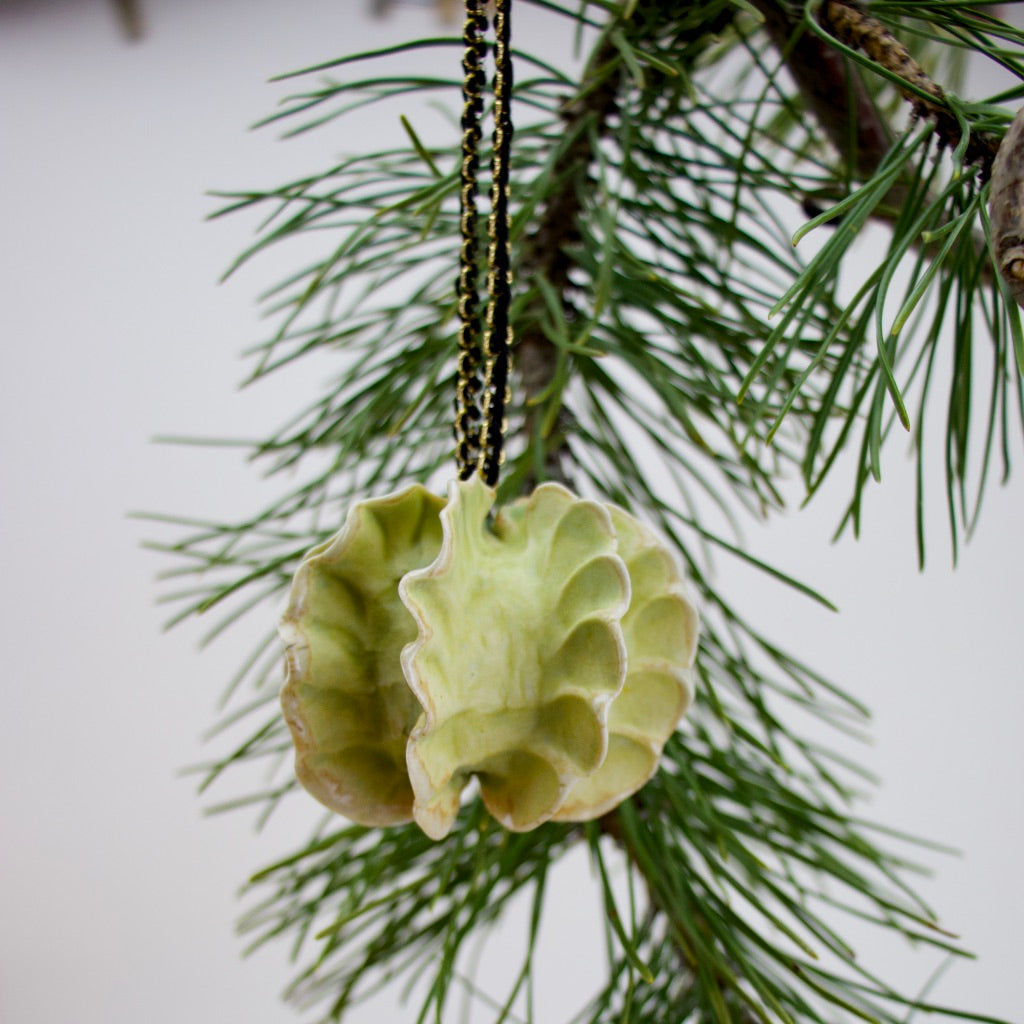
(116, 896)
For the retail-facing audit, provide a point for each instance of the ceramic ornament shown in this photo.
(661, 630)
(345, 699)
(519, 654)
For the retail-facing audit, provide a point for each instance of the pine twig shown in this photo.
(849, 24)
(836, 94)
(838, 97)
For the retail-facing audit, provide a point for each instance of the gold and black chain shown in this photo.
(481, 408)
(467, 393)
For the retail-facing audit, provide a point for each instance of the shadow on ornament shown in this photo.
(345, 699)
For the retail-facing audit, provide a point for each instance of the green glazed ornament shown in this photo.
(661, 630)
(345, 698)
(519, 655)
(546, 650)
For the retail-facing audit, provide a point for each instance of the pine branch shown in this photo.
(836, 94)
(836, 49)
(651, 252)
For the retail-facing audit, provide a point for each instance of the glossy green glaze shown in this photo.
(546, 650)
(661, 630)
(518, 657)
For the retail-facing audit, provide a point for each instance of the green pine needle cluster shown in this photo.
(676, 354)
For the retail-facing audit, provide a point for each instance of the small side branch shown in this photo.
(837, 96)
(853, 27)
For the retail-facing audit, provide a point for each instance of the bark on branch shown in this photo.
(832, 86)
(546, 251)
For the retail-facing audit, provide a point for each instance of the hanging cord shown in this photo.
(467, 402)
(498, 340)
(480, 431)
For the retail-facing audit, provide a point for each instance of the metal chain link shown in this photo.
(480, 431)
(467, 402)
(498, 340)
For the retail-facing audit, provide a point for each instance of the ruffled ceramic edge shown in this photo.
(581, 806)
(297, 670)
(326, 789)
(585, 808)
(436, 816)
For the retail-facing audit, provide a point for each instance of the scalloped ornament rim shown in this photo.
(594, 656)
(514, 692)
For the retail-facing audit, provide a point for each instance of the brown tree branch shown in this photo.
(835, 92)
(833, 89)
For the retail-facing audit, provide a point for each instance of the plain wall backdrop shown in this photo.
(117, 897)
